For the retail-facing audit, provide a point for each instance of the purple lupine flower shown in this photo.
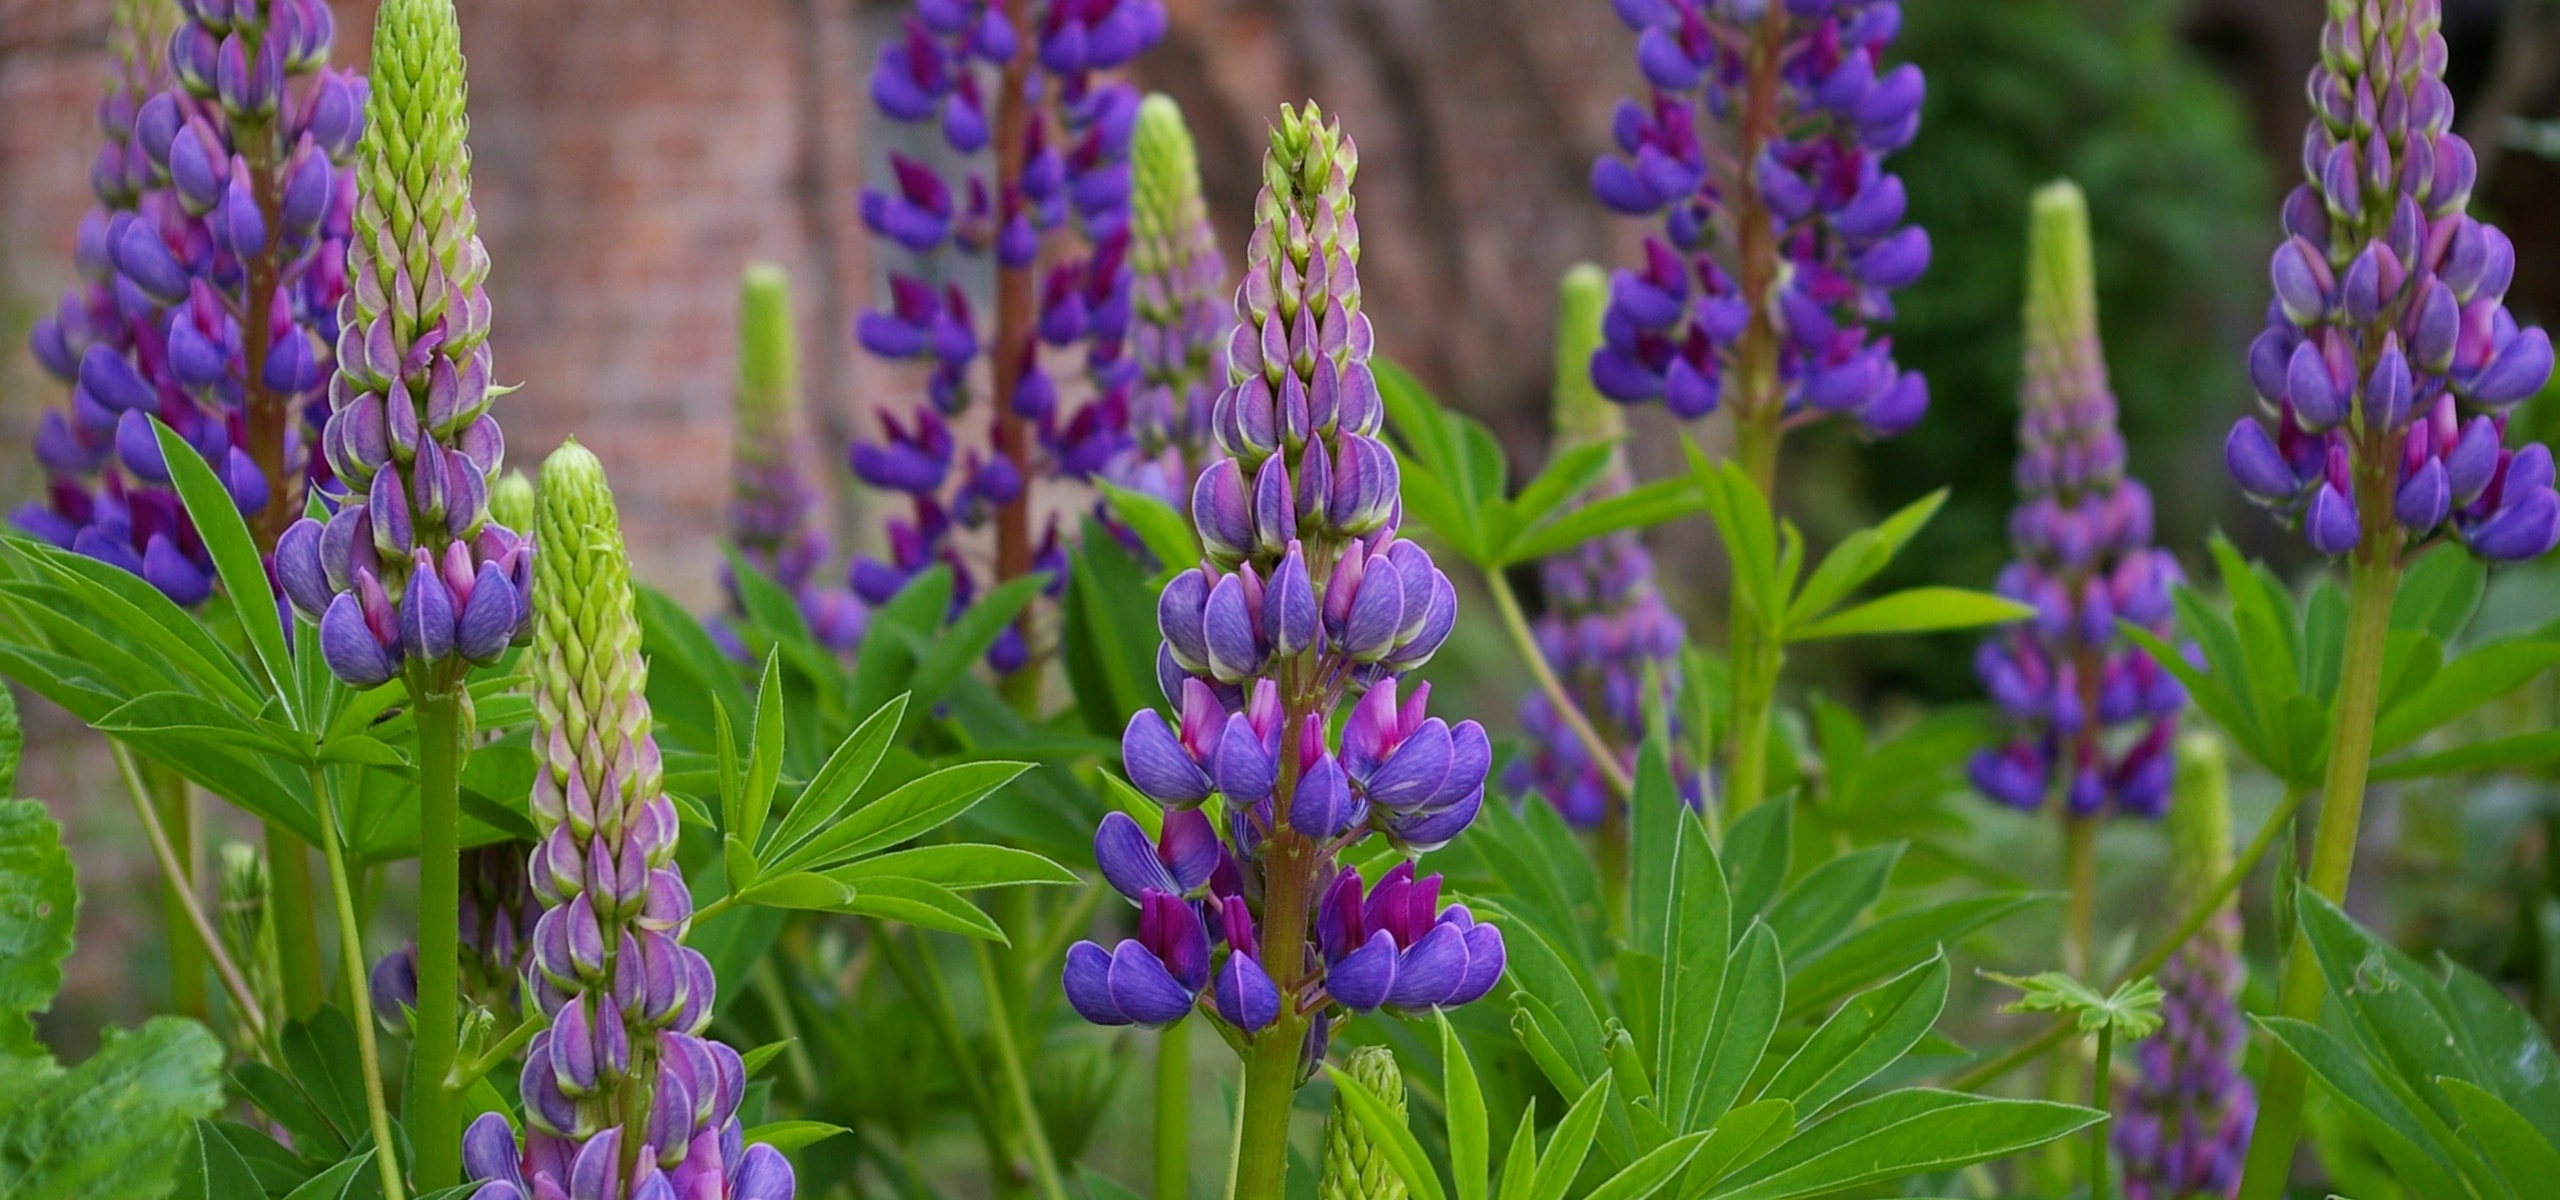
(1308, 600)
(2390, 363)
(2096, 717)
(240, 106)
(2183, 1130)
(771, 504)
(1606, 628)
(1057, 236)
(1179, 320)
(623, 1062)
(410, 573)
(1774, 256)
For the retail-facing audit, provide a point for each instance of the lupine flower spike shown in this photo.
(772, 507)
(411, 574)
(2390, 363)
(1179, 326)
(1051, 220)
(2095, 717)
(1355, 1166)
(1606, 627)
(1758, 288)
(624, 1098)
(2185, 1126)
(1308, 601)
(212, 272)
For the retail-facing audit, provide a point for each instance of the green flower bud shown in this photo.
(768, 356)
(1582, 415)
(1355, 1168)
(511, 501)
(2199, 825)
(416, 251)
(591, 711)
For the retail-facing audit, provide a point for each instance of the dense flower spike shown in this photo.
(211, 275)
(2184, 1128)
(1355, 1166)
(411, 572)
(1051, 220)
(2096, 716)
(1309, 599)
(624, 1059)
(772, 507)
(2390, 363)
(1776, 263)
(1606, 627)
(1178, 326)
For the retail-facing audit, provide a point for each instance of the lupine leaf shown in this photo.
(235, 559)
(764, 756)
(924, 905)
(12, 743)
(1755, 991)
(1462, 1101)
(967, 638)
(2528, 1074)
(689, 676)
(1109, 638)
(1869, 1033)
(1565, 476)
(1520, 1161)
(960, 866)
(129, 603)
(910, 809)
(1639, 507)
(113, 1126)
(39, 904)
(1696, 956)
(1756, 853)
(2389, 1121)
(1165, 530)
(2521, 750)
(344, 1181)
(214, 1170)
(322, 1059)
(1570, 1144)
(798, 889)
(1649, 1174)
(833, 789)
(1901, 1134)
(1915, 610)
(1860, 556)
(2492, 670)
(787, 1136)
(1740, 1138)
(1830, 898)
(893, 641)
(2440, 592)
(275, 1095)
(1894, 945)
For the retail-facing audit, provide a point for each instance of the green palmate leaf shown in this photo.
(1697, 944)
(896, 637)
(1743, 1136)
(966, 640)
(2494, 669)
(281, 1100)
(1565, 476)
(2399, 1014)
(2388, 1120)
(2498, 1032)
(924, 905)
(1388, 1133)
(2513, 752)
(1640, 507)
(235, 559)
(1869, 1033)
(39, 903)
(1898, 1135)
(2132, 1010)
(1109, 637)
(276, 1169)
(1914, 610)
(349, 1179)
(1164, 530)
(1651, 1173)
(12, 743)
(788, 1136)
(1749, 530)
(118, 599)
(116, 1125)
(764, 756)
(1860, 556)
(327, 1068)
(1821, 907)
(835, 786)
(1756, 853)
(798, 889)
(1569, 1145)
(910, 809)
(214, 1170)
(964, 866)
(1462, 1101)
(2440, 592)
(1755, 992)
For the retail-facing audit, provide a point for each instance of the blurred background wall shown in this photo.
(631, 155)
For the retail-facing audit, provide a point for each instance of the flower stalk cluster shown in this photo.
(211, 276)
(1308, 601)
(1019, 93)
(772, 505)
(624, 1098)
(1777, 248)
(2183, 1128)
(2095, 717)
(1178, 328)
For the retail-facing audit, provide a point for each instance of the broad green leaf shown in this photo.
(894, 639)
(2528, 1073)
(1520, 1161)
(923, 905)
(1756, 854)
(833, 789)
(788, 1136)
(39, 903)
(1741, 1137)
(1914, 610)
(2513, 752)
(908, 810)
(117, 1125)
(764, 755)
(1755, 992)
(1102, 1187)
(235, 559)
(689, 676)
(12, 743)
(799, 889)
(1830, 898)
(214, 1170)
(1749, 531)
(1565, 476)
(1109, 638)
(771, 608)
(1869, 1033)
(2512, 1145)
(1655, 829)
(275, 1095)
(2440, 592)
(1649, 1174)
(321, 1056)
(1570, 1144)
(1640, 507)
(1470, 1145)
(1389, 1135)
(126, 602)
(345, 1181)
(1165, 531)
(1697, 944)
(276, 1169)
(2394, 1125)
(1901, 1134)
(2384, 995)
(962, 866)
(1894, 945)
(1859, 557)
(2476, 678)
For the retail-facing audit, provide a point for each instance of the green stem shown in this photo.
(294, 916)
(1173, 1112)
(237, 984)
(352, 964)
(435, 1114)
(176, 807)
(1035, 1137)
(786, 1022)
(1261, 1166)
(467, 1073)
(1516, 624)
(1755, 664)
(2201, 912)
(922, 978)
(2373, 581)
(2098, 1086)
(2080, 859)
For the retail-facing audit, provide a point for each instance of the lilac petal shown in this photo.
(762, 1173)
(1178, 616)
(1088, 985)
(298, 568)
(2522, 366)
(1484, 964)
(1158, 764)
(1234, 643)
(1189, 849)
(1431, 830)
(1377, 611)
(2424, 498)
(1322, 806)
(1245, 770)
(1143, 989)
(347, 644)
(1127, 859)
(178, 578)
(2256, 464)
(2330, 524)
(1170, 928)
(2526, 528)
(1289, 610)
(1245, 995)
(1431, 969)
(490, 620)
(1412, 775)
(489, 1151)
(426, 615)
(1364, 977)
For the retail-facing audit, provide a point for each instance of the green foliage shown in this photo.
(2131, 1012)
(12, 743)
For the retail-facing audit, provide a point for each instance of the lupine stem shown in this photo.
(1012, 348)
(1173, 1111)
(1516, 623)
(1035, 1139)
(435, 1114)
(1261, 1167)
(2373, 582)
(2098, 1100)
(296, 921)
(232, 980)
(351, 963)
(171, 799)
(2080, 859)
(2197, 915)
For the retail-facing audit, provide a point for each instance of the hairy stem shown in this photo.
(174, 802)
(1756, 412)
(1173, 1111)
(2373, 581)
(191, 912)
(351, 963)
(435, 1113)
(2098, 1086)
(295, 917)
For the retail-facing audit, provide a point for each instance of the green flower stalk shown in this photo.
(1179, 298)
(511, 501)
(771, 503)
(1355, 1167)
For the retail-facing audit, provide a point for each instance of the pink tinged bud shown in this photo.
(2330, 522)
(1232, 632)
(1128, 860)
(2318, 400)
(597, 1173)
(2519, 369)
(2473, 461)
(1323, 807)
(2302, 282)
(1244, 766)
(1220, 511)
(298, 568)
(585, 938)
(1289, 611)
(2387, 389)
(1158, 764)
(1375, 614)
(573, 1049)
(351, 648)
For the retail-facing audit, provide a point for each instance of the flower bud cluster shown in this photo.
(1308, 600)
(623, 1058)
(1062, 219)
(410, 571)
(2095, 716)
(2390, 362)
(211, 273)
(1179, 327)
(771, 504)
(1811, 170)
